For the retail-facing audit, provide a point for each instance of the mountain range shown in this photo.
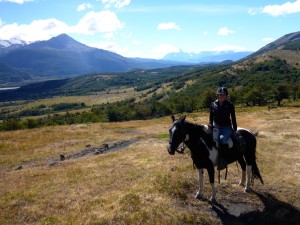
(275, 63)
(206, 56)
(62, 56)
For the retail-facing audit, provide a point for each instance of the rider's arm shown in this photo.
(211, 117)
(233, 117)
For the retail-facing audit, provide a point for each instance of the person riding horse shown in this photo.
(222, 121)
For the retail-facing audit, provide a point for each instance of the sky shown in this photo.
(152, 28)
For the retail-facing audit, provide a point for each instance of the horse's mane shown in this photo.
(200, 130)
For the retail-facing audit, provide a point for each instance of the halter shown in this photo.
(183, 146)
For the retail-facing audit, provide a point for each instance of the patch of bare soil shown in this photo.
(268, 210)
(88, 151)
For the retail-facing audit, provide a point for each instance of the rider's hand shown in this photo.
(234, 133)
(210, 128)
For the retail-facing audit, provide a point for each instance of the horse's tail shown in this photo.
(256, 173)
(250, 139)
(255, 170)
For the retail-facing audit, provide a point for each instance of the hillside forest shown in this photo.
(158, 92)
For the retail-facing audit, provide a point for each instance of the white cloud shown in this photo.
(160, 51)
(36, 30)
(84, 6)
(109, 46)
(115, 3)
(253, 11)
(286, 8)
(225, 31)
(17, 1)
(136, 42)
(103, 22)
(113, 47)
(168, 26)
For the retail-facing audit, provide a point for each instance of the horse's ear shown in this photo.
(173, 118)
(183, 118)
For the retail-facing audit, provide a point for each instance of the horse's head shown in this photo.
(177, 134)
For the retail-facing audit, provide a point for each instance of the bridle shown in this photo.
(182, 148)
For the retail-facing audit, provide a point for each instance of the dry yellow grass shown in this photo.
(141, 183)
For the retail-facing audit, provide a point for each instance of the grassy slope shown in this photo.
(142, 184)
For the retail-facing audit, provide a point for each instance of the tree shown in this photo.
(208, 97)
(282, 92)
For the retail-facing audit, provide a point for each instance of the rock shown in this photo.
(52, 163)
(18, 167)
(62, 157)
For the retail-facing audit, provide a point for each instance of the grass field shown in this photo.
(139, 182)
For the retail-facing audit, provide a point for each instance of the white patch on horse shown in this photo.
(187, 137)
(213, 152)
(173, 130)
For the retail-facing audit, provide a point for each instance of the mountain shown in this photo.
(9, 45)
(63, 56)
(286, 39)
(206, 56)
(278, 64)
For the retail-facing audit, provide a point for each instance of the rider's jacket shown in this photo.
(220, 115)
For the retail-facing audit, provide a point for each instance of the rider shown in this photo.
(222, 119)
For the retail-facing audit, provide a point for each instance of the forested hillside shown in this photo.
(261, 80)
(164, 91)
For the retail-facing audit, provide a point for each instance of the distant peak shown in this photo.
(62, 41)
(62, 37)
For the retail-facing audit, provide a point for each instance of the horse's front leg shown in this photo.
(211, 174)
(200, 192)
(243, 179)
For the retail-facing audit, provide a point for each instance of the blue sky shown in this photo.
(152, 28)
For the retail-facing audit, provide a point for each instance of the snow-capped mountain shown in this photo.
(12, 42)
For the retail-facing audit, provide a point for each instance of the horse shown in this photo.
(204, 155)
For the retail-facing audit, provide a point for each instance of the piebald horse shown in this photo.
(204, 155)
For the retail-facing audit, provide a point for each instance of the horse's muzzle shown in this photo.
(170, 150)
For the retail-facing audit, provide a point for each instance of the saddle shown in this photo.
(237, 141)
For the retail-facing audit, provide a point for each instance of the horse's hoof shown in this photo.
(247, 190)
(242, 184)
(199, 196)
(212, 201)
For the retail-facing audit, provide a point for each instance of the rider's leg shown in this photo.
(225, 133)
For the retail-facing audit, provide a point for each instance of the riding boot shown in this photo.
(222, 164)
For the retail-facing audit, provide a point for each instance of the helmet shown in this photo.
(222, 90)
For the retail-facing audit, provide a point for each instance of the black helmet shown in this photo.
(222, 90)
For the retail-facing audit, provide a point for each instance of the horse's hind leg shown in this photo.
(243, 166)
(248, 181)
